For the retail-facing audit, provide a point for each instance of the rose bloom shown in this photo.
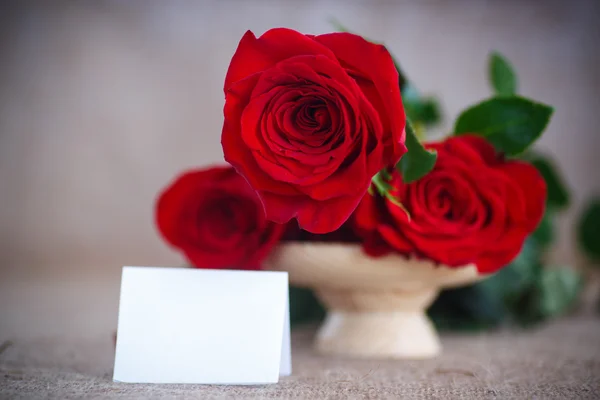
(344, 234)
(473, 207)
(214, 217)
(309, 120)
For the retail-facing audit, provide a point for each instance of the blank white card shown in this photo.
(184, 325)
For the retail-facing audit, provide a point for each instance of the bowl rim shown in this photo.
(345, 265)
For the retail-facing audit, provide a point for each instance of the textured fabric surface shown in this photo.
(558, 361)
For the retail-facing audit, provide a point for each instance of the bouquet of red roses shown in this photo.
(324, 139)
(316, 133)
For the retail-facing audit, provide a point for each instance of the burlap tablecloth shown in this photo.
(560, 361)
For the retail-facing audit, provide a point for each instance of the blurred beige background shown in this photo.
(103, 102)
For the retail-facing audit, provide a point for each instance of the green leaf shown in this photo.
(554, 292)
(470, 308)
(589, 230)
(524, 292)
(559, 288)
(385, 189)
(502, 75)
(511, 124)
(544, 233)
(527, 264)
(428, 111)
(381, 184)
(558, 194)
(516, 277)
(417, 161)
(524, 307)
(420, 110)
(304, 306)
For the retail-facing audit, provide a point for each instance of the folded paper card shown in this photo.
(184, 325)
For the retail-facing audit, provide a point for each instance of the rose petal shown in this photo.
(281, 209)
(171, 201)
(255, 55)
(216, 219)
(395, 239)
(327, 215)
(534, 190)
(234, 149)
(375, 62)
(484, 149)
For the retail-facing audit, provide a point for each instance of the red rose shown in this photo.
(344, 234)
(474, 207)
(309, 120)
(216, 220)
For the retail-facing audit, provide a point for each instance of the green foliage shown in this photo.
(589, 230)
(470, 308)
(524, 293)
(426, 111)
(304, 306)
(511, 123)
(381, 184)
(417, 161)
(558, 289)
(420, 110)
(488, 303)
(384, 188)
(501, 75)
(518, 276)
(558, 193)
(552, 293)
(544, 234)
